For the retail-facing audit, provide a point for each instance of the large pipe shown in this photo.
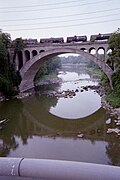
(55, 169)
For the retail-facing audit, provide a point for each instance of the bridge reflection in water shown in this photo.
(35, 123)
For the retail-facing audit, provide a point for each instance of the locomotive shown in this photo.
(76, 39)
(52, 40)
(100, 37)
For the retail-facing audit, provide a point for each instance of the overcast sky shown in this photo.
(58, 18)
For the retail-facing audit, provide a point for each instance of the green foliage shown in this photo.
(8, 77)
(52, 64)
(3, 58)
(114, 57)
(18, 46)
(48, 67)
(112, 96)
(73, 60)
(79, 60)
(6, 87)
(6, 39)
(113, 99)
(116, 81)
(104, 80)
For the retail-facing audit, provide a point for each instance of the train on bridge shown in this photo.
(71, 39)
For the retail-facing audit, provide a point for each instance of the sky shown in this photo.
(58, 18)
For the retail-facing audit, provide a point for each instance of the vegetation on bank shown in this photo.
(48, 70)
(113, 96)
(9, 78)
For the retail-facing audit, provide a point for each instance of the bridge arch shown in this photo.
(29, 70)
(84, 49)
(34, 53)
(41, 51)
(92, 49)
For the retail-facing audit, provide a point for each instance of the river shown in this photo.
(64, 128)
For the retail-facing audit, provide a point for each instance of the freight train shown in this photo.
(72, 39)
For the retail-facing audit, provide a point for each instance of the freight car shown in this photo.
(76, 39)
(100, 37)
(30, 41)
(52, 40)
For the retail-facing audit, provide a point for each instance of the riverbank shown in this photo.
(113, 112)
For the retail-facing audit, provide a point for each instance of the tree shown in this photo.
(8, 76)
(18, 46)
(114, 57)
(48, 67)
(114, 61)
(6, 39)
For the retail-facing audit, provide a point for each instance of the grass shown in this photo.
(114, 99)
(112, 96)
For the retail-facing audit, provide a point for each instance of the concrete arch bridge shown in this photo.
(34, 55)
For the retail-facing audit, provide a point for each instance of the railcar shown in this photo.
(52, 40)
(76, 39)
(30, 41)
(100, 36)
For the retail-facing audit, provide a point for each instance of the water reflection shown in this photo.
(81, 105)
(63, 149)
(32, 127)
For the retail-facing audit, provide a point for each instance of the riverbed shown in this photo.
(70, 128)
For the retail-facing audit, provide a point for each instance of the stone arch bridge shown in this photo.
(29, 60)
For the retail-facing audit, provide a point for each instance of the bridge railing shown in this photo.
(55, 169)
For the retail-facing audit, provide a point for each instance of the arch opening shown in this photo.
(110, 63)
(92, 51)
(101, 53)
(84, 49)
(34, 53)
(41, 51)
(27, 55)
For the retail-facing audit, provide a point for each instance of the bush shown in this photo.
(113, 99)
(116, 82)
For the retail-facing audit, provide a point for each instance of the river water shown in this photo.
(48, 127)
